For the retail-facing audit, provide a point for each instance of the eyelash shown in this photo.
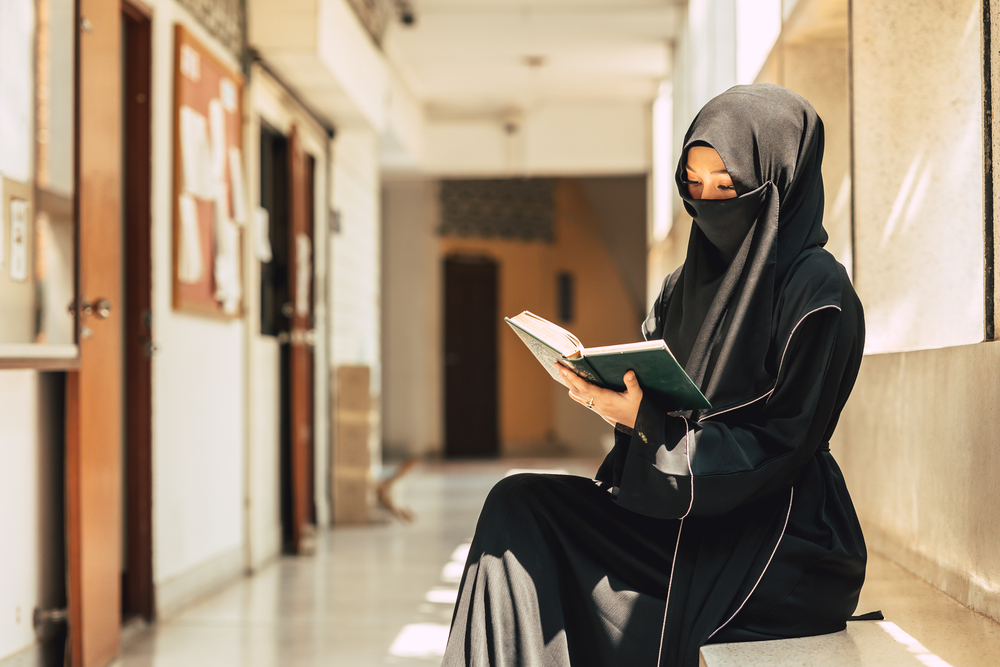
(686, 181)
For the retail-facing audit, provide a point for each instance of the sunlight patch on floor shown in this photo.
(420, 640)
(912, 645)
(442, 595)
(428, 640)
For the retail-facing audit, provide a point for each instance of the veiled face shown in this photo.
(707, 177)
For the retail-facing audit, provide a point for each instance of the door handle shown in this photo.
(101, 309)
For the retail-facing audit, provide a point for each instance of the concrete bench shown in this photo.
(862, 644)
(923, 627)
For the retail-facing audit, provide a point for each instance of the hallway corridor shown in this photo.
(380, 594)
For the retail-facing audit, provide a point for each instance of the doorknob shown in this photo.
(101, 309)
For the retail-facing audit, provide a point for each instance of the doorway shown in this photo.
(138, 594)
(287, 314)
(470, 332)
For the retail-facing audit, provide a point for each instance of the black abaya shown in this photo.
(733, 524)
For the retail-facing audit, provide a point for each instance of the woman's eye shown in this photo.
(688, 181)
(727, 187)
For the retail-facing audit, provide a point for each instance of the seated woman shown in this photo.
(725, 525)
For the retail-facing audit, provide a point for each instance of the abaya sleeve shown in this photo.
(671, 467)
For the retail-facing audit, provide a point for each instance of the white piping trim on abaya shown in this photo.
(795, 328)
(768, 394)
(791, 497)
(735, 407)
(677, 544)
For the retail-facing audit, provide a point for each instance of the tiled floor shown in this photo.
(382, 594)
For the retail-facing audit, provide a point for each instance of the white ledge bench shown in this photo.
(923, 628)
(862, 644)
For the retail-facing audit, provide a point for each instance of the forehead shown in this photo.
(704, 158)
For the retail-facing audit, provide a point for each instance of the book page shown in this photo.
(627, 347)
(546, 356)
(554, 335)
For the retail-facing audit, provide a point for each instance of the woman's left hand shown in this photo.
(616, 407)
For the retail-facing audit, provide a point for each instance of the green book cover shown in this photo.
(652, 362)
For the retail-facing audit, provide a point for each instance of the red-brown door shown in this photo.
(94, 397)
(301, 167)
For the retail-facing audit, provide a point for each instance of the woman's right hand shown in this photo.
(615, 407)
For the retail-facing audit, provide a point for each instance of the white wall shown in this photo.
(31, 491)
(918, 437)
(411, 320)
(705, 64)
(198, 379)
(19, 450)
(918, 145)
(917, 443)
(355, 255)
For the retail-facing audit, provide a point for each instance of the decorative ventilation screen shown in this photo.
(222, 18)
(510, 208)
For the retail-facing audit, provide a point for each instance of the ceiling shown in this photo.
(474, 58)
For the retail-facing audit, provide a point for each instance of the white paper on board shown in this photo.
(217, 125)
(222, 201)
(196, 157)
(19, 240)
(189, 264)
(262, 223)
(227, 91)
(228, 290)
(190, 63)
(236, 178)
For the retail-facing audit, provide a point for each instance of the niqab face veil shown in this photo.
(716, 312)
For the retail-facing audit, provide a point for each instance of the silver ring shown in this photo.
(590, 403)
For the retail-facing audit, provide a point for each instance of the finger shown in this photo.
(631, 383)
(574, 381)
(585, 401)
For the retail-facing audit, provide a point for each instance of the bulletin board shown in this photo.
(209, 184)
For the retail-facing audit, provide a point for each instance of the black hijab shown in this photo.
(716, 312)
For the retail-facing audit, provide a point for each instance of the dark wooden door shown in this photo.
(137, 577)
(287, 313)
(470, 333)
(302, 339)
(94, 392)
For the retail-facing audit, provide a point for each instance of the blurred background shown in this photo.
(255, 257)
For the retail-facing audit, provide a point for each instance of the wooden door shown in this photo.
(301, 339)
(137, 577)
(470, 330)
(94, 396)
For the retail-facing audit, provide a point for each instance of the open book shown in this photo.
(651, 361)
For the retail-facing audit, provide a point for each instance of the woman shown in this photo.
(730, 524)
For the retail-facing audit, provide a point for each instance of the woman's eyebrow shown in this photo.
(717, 171)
